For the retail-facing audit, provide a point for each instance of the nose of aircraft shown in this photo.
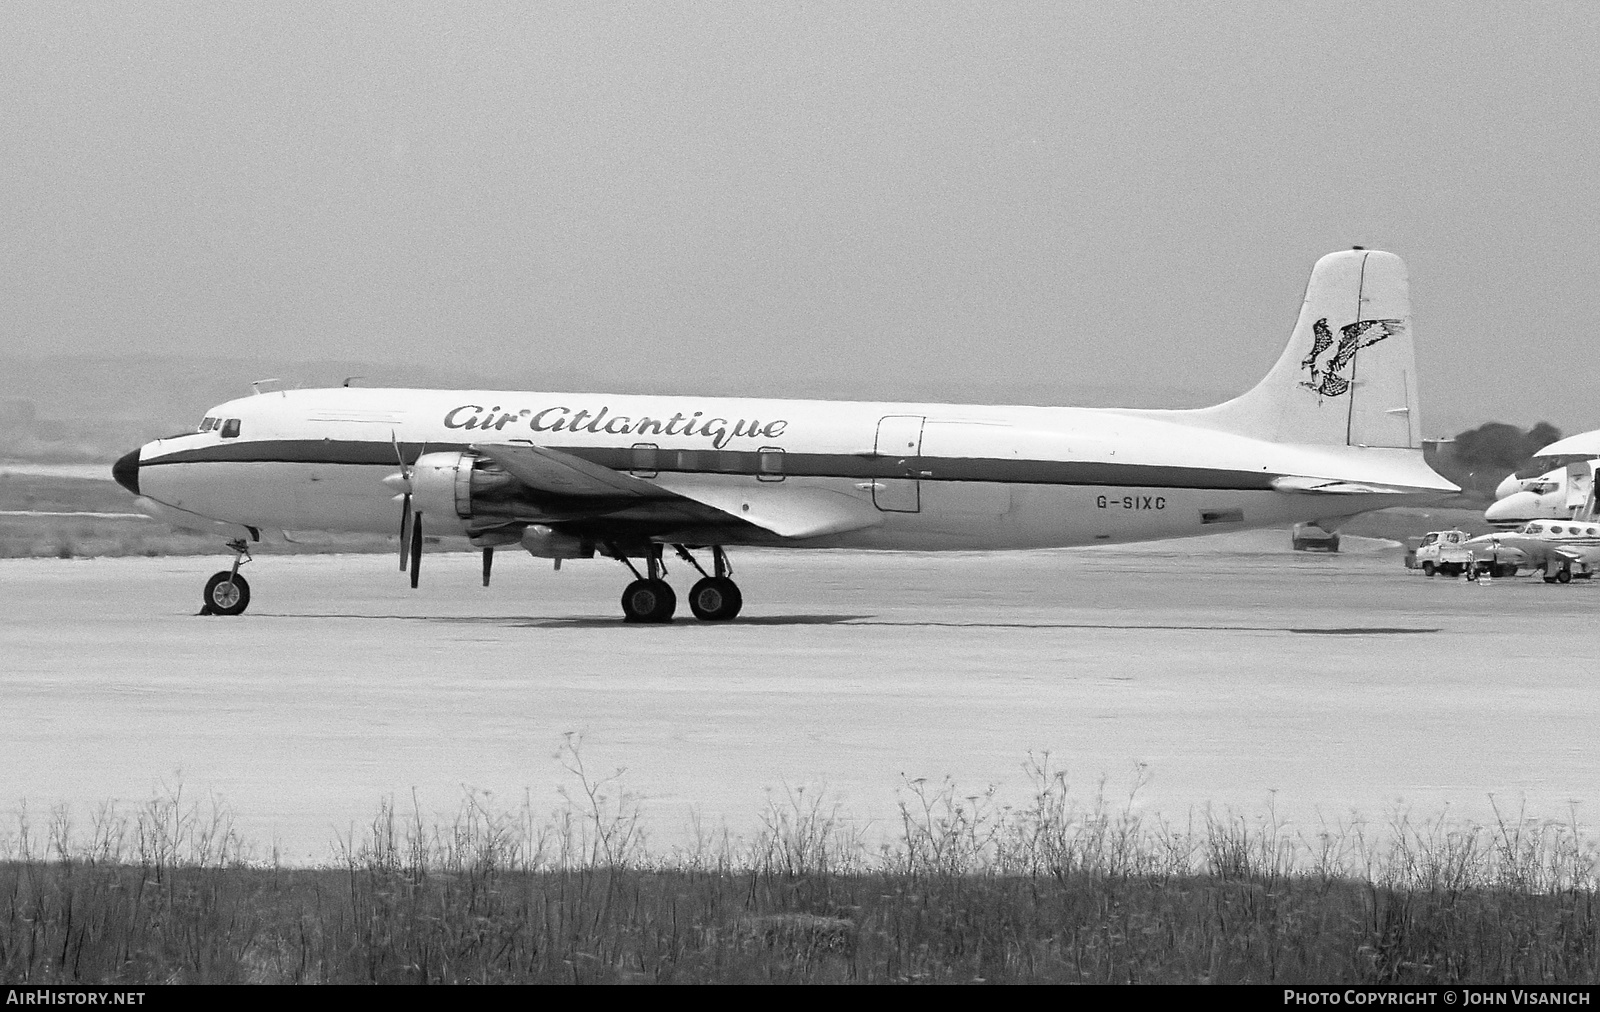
(1511, 486)
(1514, 508)
(126, 471)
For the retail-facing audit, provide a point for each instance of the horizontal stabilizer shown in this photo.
(1329, 486)
(787, 511)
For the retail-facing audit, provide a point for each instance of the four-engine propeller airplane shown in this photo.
(1333, 429)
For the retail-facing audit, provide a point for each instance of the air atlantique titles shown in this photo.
(563, 419)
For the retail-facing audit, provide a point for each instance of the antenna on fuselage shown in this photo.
(347, 380)
(256, 384)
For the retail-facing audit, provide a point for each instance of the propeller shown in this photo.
(416, 547)
(402, 481)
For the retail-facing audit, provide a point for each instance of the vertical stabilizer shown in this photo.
(1349, 374)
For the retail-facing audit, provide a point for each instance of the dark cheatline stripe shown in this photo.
(745, 462)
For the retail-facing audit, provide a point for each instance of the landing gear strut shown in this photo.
(228, 593)
(648, 598)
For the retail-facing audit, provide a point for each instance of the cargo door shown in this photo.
(899, 451)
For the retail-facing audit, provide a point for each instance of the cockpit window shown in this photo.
(230, 428)
(206, 423)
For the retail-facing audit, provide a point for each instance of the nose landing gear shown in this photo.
(228, 593)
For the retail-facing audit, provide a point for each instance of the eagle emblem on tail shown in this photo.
(1330, 379)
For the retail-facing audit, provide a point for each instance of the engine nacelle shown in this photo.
(441, 485)
(545, 543)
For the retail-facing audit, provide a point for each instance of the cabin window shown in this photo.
(230, 428)
(1430, 539)
(643, 460)
(769, 464)
(693, 460)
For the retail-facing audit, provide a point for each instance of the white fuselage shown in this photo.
(1548, 496)
(938, 476)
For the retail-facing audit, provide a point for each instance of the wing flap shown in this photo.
(787, 511)
(1329, 486)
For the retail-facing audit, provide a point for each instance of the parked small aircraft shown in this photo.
(1557, 547)
(1332, 430)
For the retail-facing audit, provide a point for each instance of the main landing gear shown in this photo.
(228, 593)
(649, 598)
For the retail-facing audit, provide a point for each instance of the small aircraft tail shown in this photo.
(1349, 374)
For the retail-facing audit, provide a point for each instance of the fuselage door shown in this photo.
(899, 450)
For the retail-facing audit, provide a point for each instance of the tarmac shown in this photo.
(1227, 674)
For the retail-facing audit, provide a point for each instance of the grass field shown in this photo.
(1053, 891)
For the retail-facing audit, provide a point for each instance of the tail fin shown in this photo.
(1349, 374)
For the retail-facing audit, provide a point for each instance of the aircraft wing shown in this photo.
(1588, 554)
(547, 470)
(789, 511)
(1330, 486)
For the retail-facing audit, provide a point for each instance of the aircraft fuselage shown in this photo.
(929, 476)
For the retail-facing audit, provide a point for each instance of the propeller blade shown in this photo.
(488, 563)
(405, 529)
(416, 548)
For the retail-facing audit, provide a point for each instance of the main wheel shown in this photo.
(715, 599)
(227, 594)
(1564, 575)
(1428, 569)
(648, 601)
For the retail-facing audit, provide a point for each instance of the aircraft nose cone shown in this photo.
(1517, 507)
(1511, 486)
(126, 471)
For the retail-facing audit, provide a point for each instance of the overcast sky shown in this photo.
(826, 198)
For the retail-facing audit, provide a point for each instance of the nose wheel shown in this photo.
(228, 593)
